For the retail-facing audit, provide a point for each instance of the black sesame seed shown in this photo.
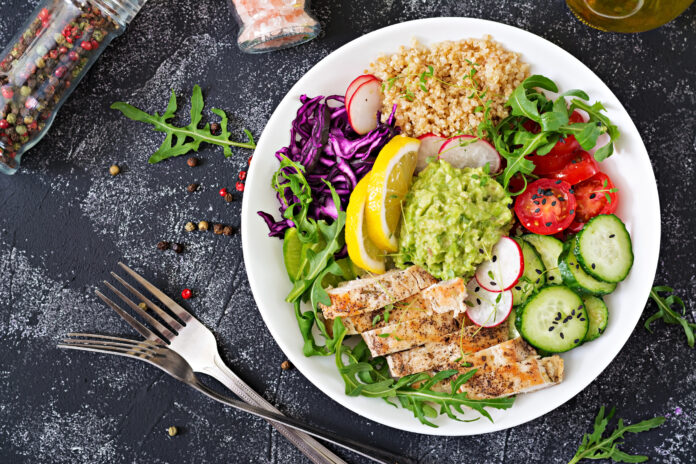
(517, 287)
(571, 211)
(477, 289)
(543, 202)
(538, 210)
(548, 193)
(577, 266)
(558, 316)
(562, 336)
(553, 203)
(492, 283)
(593, 265)
(572, 312)
(571, 190)
(494, 258)
(537, 281)
(548, 224)
(592, 196)
(558, 182)
(538, 271)
(535, 196)
(577, 340)
(582, 319)
(612, 236)
(555, 322)
(480, 250)
(551, 328)
(478, 301)
(581, 306)
(536, 202)
(551, 277)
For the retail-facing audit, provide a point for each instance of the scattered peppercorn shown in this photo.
(192, 161)
(186, 293)
(227, 230)
(203, 225)
(190, 226)
(192, 188)
(239, 186)
(214, 128)
(172, 431)
(217, 229)
(178, 247)
(222, 192)
(142, 305)
(229, 198)
(249, 160)
(285, 365)
(114, 170)
(163, 245)
(242, 175)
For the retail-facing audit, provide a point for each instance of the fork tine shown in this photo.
(127, 352)
(141, 329)
(181, 313)
(168, 319)
(166, 332)
(106, 337)
(134, 346)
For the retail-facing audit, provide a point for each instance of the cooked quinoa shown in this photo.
(448, 109)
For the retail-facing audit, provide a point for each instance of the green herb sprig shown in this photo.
(595, 446)
(667, 312)
(182, 140)
(370, 377)
(514, 142)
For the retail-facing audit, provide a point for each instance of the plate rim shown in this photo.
(416, 426)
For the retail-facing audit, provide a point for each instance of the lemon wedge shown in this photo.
(361, 250)
(390, 180)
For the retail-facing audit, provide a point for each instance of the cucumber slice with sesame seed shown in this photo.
(554, 320)
(575, 277)
(604, 250)
(598, 313)
(549, 248)
(533, 277)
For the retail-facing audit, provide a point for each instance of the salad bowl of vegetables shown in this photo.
(568, 179)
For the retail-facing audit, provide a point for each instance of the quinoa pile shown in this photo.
(448, 109)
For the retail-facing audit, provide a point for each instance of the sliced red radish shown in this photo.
(467, 151)
(504, 268)
(357, 82)
(429, 147)
(484, 308)
(364, 105)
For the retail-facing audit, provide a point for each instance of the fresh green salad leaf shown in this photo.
(595, 446)
(370, 377)
(182, 140)
(667, 312)
(514, 142)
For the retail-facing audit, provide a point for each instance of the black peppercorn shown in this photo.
(163, 245)
(214, 128)
(178, 247)
(192, 188)
(218, 228)
(227, 230)
(192, 161)
(229, 198)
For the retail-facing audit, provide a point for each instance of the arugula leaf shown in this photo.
(414, 392)
(182, 140)
(668, 314)
(595, 446)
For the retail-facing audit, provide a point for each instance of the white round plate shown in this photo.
(629, 168)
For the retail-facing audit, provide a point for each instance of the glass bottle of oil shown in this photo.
(627, 15)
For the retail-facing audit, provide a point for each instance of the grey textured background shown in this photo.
(64, 223)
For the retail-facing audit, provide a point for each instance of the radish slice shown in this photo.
(364, 105)
(504, 268)
(357, 82)
(429, 147)
(484, 308)
(467, 151)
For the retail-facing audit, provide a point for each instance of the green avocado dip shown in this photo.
(451, 220)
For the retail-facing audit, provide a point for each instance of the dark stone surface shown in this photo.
(64, 222)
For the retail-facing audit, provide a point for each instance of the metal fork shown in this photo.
(194, 342)
(176, 366)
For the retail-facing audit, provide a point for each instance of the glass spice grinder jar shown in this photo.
(44, 62)
(267, 25)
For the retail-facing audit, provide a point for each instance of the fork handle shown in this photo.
(375, 454)
(311, 448)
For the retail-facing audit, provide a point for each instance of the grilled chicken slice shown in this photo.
(372, 293)
(401, 336)
(442, 297)
(522, 377)
(447, 354)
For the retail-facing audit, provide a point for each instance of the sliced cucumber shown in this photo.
(549, 248)
(292, 253)
(533, 277)
(598, 313)
(554, 320)
(576, 278)
(603, 248)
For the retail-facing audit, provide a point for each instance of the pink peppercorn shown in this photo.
(239, 186)
(186, 293)
(86, 44)
(249, 160)
(7, 92)
(4, 124)
(223, 192)
(60, 71)
(242, 175)
(73, 56)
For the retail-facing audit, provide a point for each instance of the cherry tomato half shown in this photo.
(546, 207)
(581, 167)
(597, 195)
(560, 154)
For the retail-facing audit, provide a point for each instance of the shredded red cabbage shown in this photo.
(322, 140)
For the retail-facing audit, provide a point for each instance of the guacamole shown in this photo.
(451, 220)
